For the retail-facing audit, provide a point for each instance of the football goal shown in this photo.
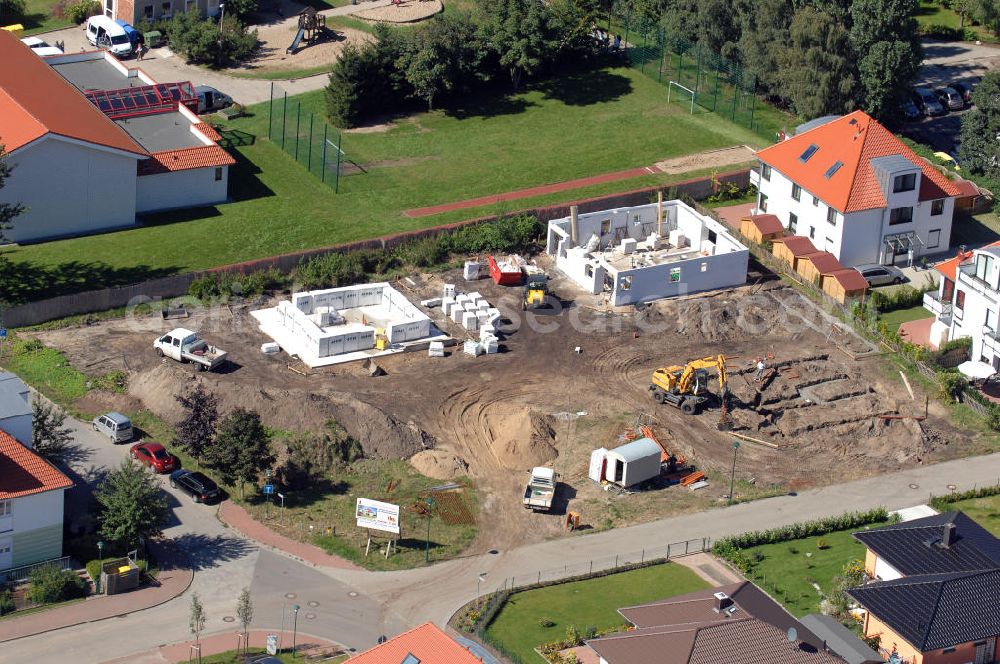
(680, 94)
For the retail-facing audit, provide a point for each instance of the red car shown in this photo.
(154, 455)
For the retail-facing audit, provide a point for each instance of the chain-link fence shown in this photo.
(695, 76)
(306, 136)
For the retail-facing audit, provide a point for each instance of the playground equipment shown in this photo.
(311, 25)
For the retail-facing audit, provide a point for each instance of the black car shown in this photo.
(195, 484)
(965, 90)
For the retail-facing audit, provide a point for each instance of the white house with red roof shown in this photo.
(425, 644)
(31, 489)
(967, 302)
(857, 191)
(92, 143)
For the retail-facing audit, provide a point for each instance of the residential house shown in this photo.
(426, 644)
(135, 11)
(110, 140)
(735, 623)
(31, 489)
(857, 191)
(967, 302)
(935, 584)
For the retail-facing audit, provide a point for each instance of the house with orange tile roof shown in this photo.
(31, 488)
(966, 303)
(857, 191)
(108, 140)
(426, 644)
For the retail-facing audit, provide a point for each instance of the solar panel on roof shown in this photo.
(142, 100)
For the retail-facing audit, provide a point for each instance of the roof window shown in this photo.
(830, 172)
(410, 659)
(810, 151)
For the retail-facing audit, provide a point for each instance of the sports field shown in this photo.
(587, 124)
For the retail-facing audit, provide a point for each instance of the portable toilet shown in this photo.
(598, 464)
(633, 463)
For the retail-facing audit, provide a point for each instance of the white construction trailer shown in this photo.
(628, 465)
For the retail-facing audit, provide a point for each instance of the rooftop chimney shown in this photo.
(948, 535)
(722, 602)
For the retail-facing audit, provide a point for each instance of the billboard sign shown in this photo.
(377, 515)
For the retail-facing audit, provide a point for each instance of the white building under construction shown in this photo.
(647, 252)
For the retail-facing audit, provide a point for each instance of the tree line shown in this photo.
(457, 53)
(816, 58)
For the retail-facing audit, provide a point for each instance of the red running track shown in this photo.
(532, 191)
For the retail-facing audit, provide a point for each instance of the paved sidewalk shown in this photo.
(213, 644)
(174, 578)
(237, 518)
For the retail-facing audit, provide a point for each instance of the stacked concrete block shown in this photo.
(447, 304)
(457, 313)
(472, 348)
(487, 331)
(432, 302)
(436, 349)
(448, 290)
(475, 296)
(490, 345)
(471, 271)
(483, 305)
(470, 322)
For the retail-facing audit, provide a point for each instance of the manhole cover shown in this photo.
(290, 595)
(914, 486)
(313, 603)
(952, 487)
(310, 616)
(493, 552)
(228, 619)
(352, 594)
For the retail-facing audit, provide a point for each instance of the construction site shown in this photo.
(569, 379)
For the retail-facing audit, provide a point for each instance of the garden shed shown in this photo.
(811, 266)
(633, 463)
(845, 284)
(761, 228)
(791, 248)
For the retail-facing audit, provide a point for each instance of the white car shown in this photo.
(41, 47)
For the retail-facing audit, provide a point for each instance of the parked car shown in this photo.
(105, 33)
(909, 110)
(41, 47)
(186, 346)
(965, 90)
(950, 99)
(927, 102)
(210, 99)
(195, 484)
(155, 456)
(115, 426)
(881, 275)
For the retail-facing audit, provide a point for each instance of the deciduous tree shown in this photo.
(817, 67)
(516, 31)
(49, 437)
(884, 35)
(242, 448)
(131, 504)
(244, 612)
(980, 151)
(196, 431)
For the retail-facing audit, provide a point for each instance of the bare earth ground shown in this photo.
(276, 37)
(406, 12)
(538, 401)
(737, 154)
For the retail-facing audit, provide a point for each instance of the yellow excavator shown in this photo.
(682, 386)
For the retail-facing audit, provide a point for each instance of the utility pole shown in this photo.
(732, 478)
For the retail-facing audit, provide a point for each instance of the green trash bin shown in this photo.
(154, 38)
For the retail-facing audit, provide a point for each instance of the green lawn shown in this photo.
(896, 318)
(975, 230)
(37, 17)
(576, 126)
(984, 511)
(932, 13)
(590, 603)
(787, 571)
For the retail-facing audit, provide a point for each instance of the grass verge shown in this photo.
(518, 627)
(984, 511)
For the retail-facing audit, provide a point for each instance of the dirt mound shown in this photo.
(102, 402)
(381, 435)
(525, 440)
(439, 464)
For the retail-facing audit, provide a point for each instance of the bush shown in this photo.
(76, 11)
(728, 546)
(199, 39)
(310, 455)
(6, 602)
(951, 384)
(236, 284)
(115, 382)
(942, 503)
(51, 584)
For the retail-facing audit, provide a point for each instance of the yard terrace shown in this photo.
(485, 146)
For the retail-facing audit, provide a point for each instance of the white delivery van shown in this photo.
(105, 33)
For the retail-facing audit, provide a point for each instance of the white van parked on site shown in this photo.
(105, 33)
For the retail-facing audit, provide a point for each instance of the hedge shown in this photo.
(942, 503)
(800, 530)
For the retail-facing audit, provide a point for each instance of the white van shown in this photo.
(105, 33)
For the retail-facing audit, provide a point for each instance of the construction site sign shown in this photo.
(378, 515)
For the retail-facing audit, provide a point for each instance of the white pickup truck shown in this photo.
(541, 489)
(186, 346)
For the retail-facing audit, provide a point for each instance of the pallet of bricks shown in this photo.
(474, 314)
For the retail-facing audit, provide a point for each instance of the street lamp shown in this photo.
(295, 626)
(732, 478)
(430, 512)
(100, 557)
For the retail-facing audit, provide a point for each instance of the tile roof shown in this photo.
(23, 473)
(35, 100)
(933, 611)
(913, 547)
(967, 188)
(824, 261)
(185, 159)
(853, 141)
(848, 278)
(799, 245)
(766, 223)
(208, 130)
(427, 643)
(949, 267)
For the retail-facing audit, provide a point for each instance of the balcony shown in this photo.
(755, 178)
(940, 308)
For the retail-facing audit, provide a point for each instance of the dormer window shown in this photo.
(905, 182)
